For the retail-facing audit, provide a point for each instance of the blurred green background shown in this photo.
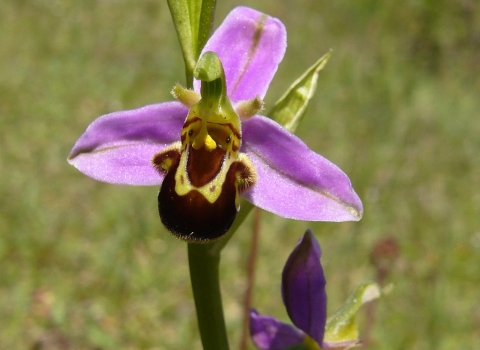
(87, 265)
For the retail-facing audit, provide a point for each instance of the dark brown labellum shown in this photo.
(192, 217)
(196, 202)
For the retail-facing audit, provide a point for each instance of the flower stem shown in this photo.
(204, 269)
(251, 264)
(207, 15)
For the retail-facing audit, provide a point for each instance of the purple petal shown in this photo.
(250, 45)
(270, 334)
(303, 288)
(293, 181)
(118, 147)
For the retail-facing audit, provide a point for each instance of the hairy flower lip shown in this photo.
(118, 147)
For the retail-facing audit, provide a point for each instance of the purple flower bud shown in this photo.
(303, 292)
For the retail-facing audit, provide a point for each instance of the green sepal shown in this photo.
(207, 15)
(193, 20)
(290, 108)
(341, 327)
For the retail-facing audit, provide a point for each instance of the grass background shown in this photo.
(87, 265)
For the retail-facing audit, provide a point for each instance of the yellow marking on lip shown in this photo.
(206, 190)
(210, 143)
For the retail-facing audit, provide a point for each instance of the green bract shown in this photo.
(341, 330)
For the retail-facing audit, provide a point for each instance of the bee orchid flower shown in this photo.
(211, 145)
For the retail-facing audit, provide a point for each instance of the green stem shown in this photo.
(204, 269)
(204, 260)
(189, 75)
(207, 16)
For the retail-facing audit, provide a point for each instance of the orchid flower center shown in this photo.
(205, 171)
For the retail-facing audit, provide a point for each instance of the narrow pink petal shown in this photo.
(293, 181)
(250, 45)
(118, 147)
